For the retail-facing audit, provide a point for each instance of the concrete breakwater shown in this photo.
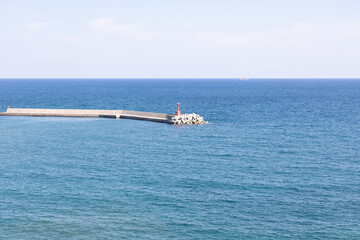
(126, 114)
(147, 116)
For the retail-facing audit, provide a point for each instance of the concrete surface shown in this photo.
(147, 116)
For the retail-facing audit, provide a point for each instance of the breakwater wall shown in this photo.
(126, 114)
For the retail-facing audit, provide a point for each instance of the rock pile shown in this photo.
(188, 119)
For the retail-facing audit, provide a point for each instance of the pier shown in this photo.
(126, 114)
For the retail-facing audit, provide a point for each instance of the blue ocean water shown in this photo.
(280, 160)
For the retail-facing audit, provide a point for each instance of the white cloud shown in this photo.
(107, 26)
(70, 38)
(300, 33)
(304, 49)
(34, 27)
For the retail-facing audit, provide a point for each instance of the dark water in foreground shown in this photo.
(281, 160)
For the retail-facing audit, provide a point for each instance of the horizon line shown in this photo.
(184, 78)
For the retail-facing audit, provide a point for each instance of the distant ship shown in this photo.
(244, 79)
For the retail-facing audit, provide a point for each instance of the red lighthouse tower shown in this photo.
(178, 111)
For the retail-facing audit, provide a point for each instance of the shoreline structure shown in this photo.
(126, 114)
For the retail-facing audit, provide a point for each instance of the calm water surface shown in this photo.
(280, 160)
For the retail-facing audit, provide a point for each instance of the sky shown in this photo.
(180, 39)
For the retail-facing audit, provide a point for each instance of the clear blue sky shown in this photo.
(187, 38)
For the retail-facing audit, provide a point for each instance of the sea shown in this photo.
(279, 159)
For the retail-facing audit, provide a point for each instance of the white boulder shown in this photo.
(188, 119)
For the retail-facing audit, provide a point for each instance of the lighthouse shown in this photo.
(178, 113)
